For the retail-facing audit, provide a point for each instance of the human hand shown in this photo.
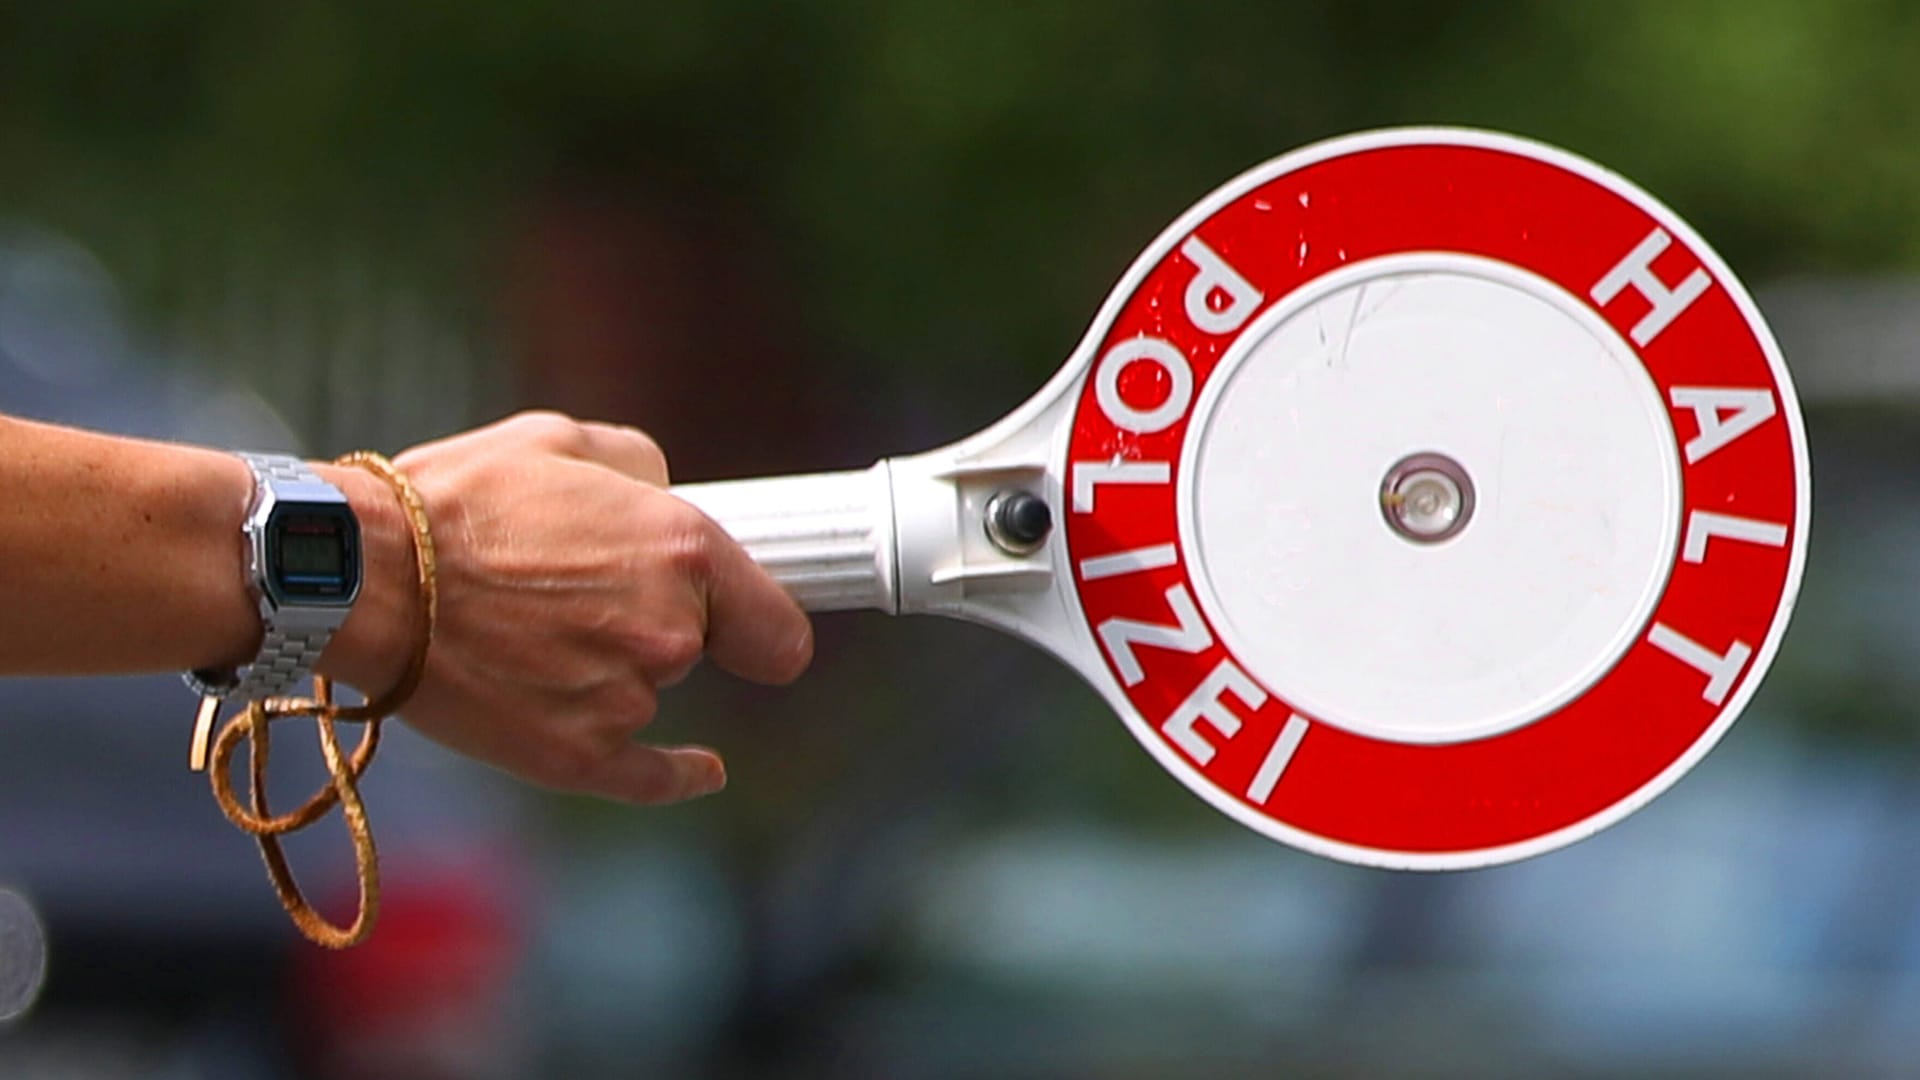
(572, 588)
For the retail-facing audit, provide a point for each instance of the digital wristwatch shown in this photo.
(303, 567)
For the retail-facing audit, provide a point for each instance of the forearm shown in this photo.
(572, 586)
(124, 555)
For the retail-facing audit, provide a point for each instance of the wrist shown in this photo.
(212, 490)
(371, 650)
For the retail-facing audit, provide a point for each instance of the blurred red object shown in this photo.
(432, 995)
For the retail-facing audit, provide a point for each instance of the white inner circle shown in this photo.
(1577, 498)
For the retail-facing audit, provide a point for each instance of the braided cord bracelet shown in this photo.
(253, 725)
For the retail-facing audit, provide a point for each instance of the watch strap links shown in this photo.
(283, 661)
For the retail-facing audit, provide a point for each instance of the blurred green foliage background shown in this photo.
(951, 185)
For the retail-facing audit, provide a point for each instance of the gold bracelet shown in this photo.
(253, 725)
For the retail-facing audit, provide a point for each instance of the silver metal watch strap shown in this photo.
(284, 468)
(286, 655)
(283, 662)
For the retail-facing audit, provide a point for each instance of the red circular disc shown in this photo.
(1631, 545)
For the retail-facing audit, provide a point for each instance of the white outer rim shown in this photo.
(1093, 667)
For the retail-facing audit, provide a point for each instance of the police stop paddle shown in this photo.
(1423, 498)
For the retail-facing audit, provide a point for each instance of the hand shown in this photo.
(573, 587)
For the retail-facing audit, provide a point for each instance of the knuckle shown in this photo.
(623, 707)
(668, 653)
(650, 449)
(545, 427)
(690, 542)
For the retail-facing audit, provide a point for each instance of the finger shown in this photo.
(626, 450)
(754, 629)
(653, 775)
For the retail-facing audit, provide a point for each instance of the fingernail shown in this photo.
(710, 775)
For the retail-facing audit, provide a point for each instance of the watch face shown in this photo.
(313, 554)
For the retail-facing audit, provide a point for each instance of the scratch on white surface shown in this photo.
(1353, 320)
(1382, 295)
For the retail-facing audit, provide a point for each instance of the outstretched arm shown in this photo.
(573, 588)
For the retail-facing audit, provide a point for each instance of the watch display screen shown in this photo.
(311, 554)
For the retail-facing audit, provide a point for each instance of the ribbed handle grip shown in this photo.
(827, 537)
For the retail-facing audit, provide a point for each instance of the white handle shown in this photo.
(828, 537)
